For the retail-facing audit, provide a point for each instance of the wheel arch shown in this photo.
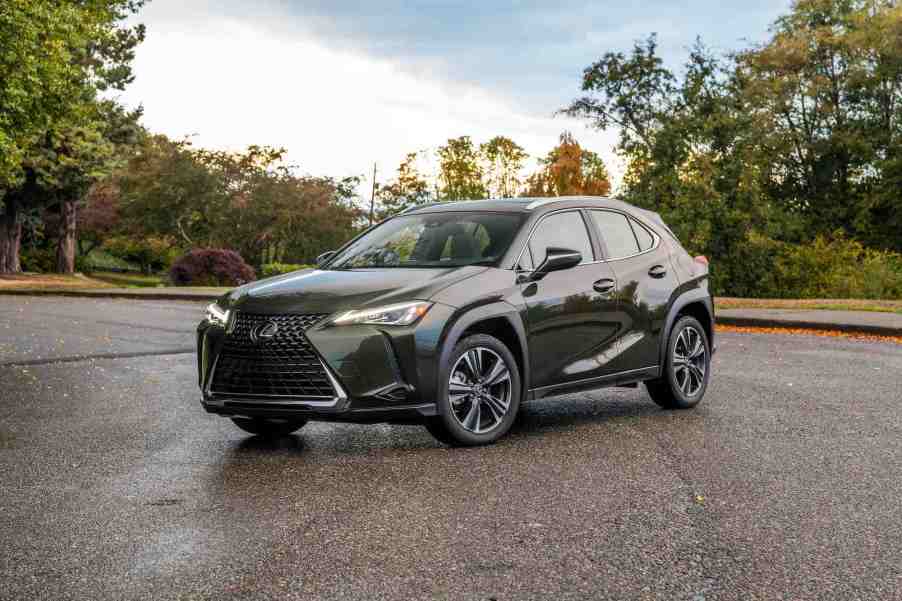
(696, 303)
(498, 319)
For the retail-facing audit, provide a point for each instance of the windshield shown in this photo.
(450, 239)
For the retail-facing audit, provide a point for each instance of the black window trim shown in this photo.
(590, 233)
(629, 219)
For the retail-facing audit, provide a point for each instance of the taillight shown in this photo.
(701, 259)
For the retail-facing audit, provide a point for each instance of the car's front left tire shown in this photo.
(479, 393)
(269, 428)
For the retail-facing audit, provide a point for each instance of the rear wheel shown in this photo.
(267, 427)
(686, 369)
(480, 393)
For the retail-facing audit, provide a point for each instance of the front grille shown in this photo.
(284, 365)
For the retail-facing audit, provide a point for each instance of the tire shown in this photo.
(486, 394)
(687, 367)
(269, 428)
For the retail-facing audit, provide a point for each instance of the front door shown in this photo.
(571, 314)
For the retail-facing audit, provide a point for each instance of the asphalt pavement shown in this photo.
(114, 484)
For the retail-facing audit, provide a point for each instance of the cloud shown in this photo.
(231, 82)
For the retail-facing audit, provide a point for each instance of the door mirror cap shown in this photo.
(556, 259)
(324, 257)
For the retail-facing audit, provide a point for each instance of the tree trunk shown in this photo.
(10, 238)
(65, 250)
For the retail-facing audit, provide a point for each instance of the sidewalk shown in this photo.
(182, 294)
(866, 322)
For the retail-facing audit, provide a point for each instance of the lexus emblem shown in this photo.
(264, 332)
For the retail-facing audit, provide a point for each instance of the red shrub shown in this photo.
(211, 267)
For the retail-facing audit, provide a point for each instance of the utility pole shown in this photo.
(373, 197)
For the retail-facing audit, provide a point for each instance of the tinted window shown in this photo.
(447, 239)
(617, 234)
(561, 230)
(646, 240)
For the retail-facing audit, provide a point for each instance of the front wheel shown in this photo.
(687, 367)
(479, 395)
(267, 427)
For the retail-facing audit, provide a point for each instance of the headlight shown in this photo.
(402, 314)
(217, 316)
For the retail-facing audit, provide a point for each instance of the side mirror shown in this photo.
(324, 257)
(556, 259)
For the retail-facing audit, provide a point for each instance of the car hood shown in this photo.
(327, 291)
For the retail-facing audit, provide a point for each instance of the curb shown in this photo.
(765, 322)
(113, 293)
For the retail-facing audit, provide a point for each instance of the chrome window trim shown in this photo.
(536, 225)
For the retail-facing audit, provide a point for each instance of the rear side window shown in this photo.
(646, 240)
(561, 230)
(617, 234)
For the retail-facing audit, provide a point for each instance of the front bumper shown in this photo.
(378, 374)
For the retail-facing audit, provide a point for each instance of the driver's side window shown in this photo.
(562, 230)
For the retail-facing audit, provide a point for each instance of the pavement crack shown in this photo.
(92, 357)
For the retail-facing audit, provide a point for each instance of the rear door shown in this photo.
(571, 314)
(645, 282)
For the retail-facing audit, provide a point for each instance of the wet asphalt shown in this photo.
(786, 483)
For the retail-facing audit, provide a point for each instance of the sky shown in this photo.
(341, 85)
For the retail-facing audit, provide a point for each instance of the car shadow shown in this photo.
(542, 417)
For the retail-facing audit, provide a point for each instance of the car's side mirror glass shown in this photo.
(324, 257)
(556, 259)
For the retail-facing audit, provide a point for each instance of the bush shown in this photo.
(211, 267)
(151, 254)
(268, 270)
(38, 260)
(835, 267)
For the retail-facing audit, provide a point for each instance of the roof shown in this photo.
(511, 204)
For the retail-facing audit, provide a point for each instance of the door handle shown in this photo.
(658, 271)
(604, 285)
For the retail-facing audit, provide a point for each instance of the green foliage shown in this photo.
(503, 159)
(409, 189)
(461, 174)
(269, 270)
(250, 202)
(152, 253)
(54, 57)
(38, 260)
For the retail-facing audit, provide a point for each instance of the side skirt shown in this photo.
(618, 379)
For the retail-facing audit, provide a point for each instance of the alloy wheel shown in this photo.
(690, 361)
(479, 390)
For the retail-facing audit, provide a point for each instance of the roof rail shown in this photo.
(544, 201)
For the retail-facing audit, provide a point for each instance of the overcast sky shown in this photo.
(343, 84)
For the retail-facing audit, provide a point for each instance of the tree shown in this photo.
(410, 188)
(569, 170)
(829, 88)
(54, 58)
(460, 173)
(503, 162)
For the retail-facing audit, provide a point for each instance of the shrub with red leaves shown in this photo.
(211, 267)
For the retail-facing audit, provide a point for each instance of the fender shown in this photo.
(468, 316)
(693, 295)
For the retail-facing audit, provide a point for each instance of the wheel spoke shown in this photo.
(698, 349)
(493, 409)
(459, 388)
(498, 406)
(499, 374)
(474, 363)
(471, 421)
